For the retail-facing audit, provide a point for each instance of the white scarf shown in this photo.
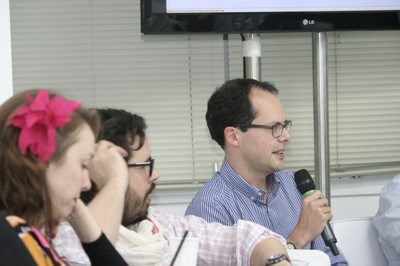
(139, 245)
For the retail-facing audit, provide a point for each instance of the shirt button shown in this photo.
(252, 198)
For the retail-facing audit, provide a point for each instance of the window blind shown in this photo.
(364, 97)
(93, 51)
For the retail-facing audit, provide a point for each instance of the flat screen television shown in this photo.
(239, 16)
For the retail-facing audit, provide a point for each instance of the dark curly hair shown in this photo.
(119, 127)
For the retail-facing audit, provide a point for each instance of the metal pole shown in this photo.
(321, 122)
(251, 55)
(226, 57)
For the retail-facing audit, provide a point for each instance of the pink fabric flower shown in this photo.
(38, 122)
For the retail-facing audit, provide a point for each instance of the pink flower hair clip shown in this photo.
(38, 121)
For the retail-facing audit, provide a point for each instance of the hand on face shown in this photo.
(108, 165)
(77, 211)
(83, 223)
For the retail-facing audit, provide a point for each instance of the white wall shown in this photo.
(350, 198)
(5, 52)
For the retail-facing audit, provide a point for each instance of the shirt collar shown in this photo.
(239, 184)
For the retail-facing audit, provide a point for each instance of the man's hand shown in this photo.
(315, 213)
(109, 171)
(108, 165)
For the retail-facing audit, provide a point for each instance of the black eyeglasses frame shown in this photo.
(149, 163)
(286, 125)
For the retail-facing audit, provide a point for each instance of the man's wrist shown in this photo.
(290, 245)
(298, 240)
(276, 259)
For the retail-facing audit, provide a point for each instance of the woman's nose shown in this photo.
(86, 184)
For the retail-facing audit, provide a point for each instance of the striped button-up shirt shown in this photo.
(227, 197)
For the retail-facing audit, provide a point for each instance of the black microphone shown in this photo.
(306, 186)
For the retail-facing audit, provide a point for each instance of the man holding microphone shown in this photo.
(246, 118)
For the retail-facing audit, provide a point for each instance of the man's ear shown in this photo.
(232, 136)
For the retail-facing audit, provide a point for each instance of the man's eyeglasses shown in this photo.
(150, 164)
(277, 130)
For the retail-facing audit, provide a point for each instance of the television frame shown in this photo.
(156, 20)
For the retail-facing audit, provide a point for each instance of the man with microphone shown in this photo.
(246, 118)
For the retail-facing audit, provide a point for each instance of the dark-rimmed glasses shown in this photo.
(149, 163)
(277, 130)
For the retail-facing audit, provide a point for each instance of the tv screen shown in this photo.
(237, 16)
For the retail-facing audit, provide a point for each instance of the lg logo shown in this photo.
(308, 22)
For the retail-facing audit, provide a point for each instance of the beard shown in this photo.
(136, 209)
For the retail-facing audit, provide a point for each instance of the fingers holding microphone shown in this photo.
(317, 206)
(315, 213)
